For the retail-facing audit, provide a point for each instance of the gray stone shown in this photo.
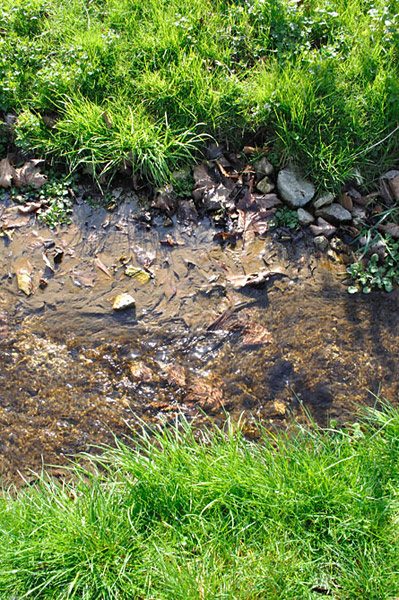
(324, 200)
(294, 190)
(321, 243)
(304, 217)
(263, 168)
(323, 228)
(265, 185)
(335, 213)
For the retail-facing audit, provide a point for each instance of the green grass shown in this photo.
(318, 79)
(311, 514)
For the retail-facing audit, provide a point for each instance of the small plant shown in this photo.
(376, 273)
(285, 217)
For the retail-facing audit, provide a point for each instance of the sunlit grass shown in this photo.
(176, 515)
(319, 80)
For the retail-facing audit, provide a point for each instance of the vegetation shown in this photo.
(310, 514)
(103, 83)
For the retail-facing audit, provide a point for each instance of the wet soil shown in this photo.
(74, 372)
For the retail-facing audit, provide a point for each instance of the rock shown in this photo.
(323, 228)
(24, 281)
(263, 168)
(335, 213)
(321, 243)
(294, 190)
(304, 217)
(265, 185)
(324, 200)
(123, 301)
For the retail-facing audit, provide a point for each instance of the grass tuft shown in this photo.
(319, 79)
(180, 515)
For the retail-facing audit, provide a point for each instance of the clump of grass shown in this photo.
(178, 515)
(319, 79)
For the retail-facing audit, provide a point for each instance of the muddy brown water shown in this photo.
(73, 371)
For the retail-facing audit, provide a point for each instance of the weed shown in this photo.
(285, 217)
(376, 272)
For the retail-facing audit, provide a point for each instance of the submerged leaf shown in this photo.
(141, 275)
(252, 279)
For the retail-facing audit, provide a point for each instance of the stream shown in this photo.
(74, 371)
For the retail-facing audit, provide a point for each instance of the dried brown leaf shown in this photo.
(7, 172)
(252, 279)
(100, 265)
(29, 174)
(390, 229)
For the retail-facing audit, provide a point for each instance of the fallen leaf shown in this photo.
(47, 262)
(253, 223)
(390, 229)
(107, 120)
(209, 396)
(255, 335)
(139, 274)
(58, 255)
(252, 279)
(29, 174)
(27, 209)
(100, 265)
(144, 258)
(176, 374)
(6, 173)
(85, 278)
(169, 241)
(186, 212)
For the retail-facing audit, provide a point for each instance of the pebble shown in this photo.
(320, 242)
(304, 217)
(324, 200)
(265, 185)
(263, 167)
(123, 301)
(335, 213)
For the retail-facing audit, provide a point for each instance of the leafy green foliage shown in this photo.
(178, 515)
(285, 217)
(377, 273)
(55, 198)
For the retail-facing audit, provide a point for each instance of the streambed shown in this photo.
(73, 371)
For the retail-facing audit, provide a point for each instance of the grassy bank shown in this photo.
(141, 82)
(313, 514)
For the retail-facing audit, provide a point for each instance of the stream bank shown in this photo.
(202, 339)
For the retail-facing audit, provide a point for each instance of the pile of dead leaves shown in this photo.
(27, 175)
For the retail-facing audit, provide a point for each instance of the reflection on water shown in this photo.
(73, 370)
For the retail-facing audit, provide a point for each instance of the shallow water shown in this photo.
(73, 370)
